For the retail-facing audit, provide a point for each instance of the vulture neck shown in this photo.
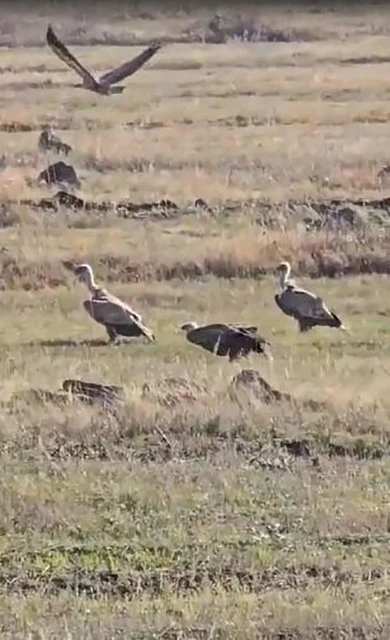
(284, 277)
(91, 284)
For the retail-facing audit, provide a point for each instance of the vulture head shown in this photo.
(283, 271)
(85, 274)
(283, 267)
(188, 326)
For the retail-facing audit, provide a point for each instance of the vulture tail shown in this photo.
(336, 322)
(305, 324)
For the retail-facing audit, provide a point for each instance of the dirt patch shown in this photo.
(334, 214)
(254, 385)
(164, 208)
(15, 127)
(124, 209)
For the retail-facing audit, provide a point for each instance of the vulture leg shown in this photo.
(112, 334)
(304, 324)
(234, 354)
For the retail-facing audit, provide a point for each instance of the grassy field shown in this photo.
(193, 511)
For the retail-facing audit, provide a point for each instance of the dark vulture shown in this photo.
(49, 142)
(308, 309)
(116, 316)
(104, 85)
(59, 173)
(227, 339)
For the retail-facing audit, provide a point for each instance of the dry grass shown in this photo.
(238, 101)
(193, 511)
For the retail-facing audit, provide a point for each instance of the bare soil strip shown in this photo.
(156, 582)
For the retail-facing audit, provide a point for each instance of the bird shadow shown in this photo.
(67, 343)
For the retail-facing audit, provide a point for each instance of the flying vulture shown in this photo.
(118, 318)
(307, 308)
(104, 85)
(227, 339)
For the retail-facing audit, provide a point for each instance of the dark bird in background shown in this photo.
(104, 85)
(49, 142)
(308, 309)
(118, 318)
(60, 173)
(227, 339)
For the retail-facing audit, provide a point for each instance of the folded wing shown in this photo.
(304, 303)
(130, 67)
(111, 311)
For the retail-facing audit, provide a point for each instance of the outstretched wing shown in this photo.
(64, 54)
(130, 67)
(241, 341)
(242, 327)
(210, 337)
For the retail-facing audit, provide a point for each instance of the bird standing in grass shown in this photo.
(308, 309)
(116, 316)
(227, 339)
(47, 141)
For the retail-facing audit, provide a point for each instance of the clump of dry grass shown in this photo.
(248, 254)
(172, 417)
(9, 217)
(17, 273)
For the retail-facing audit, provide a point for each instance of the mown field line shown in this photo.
(234, 122)
(27, 275)
(255, 452)
(318, 632)
(156, 582)
(279, 540)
